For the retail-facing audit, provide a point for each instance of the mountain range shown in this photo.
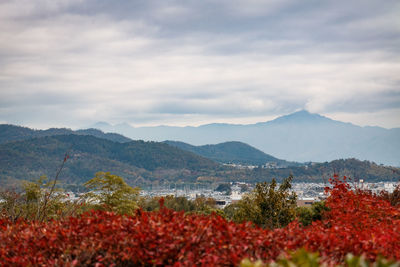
(300, 136)
(143, 163)
(228, 152)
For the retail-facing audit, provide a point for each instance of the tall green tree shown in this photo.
(269, 205)
(113, 193)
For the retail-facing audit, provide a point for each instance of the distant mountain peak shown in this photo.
(303, 112)
(301, 116)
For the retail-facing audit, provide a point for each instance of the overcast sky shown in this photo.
(72, 63)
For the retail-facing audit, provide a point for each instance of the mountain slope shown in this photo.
(320, 172)
(231, 152)
(10, 133)
(300, 137)
(88, 155)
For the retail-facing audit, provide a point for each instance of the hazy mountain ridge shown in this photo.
(10, 133)
(232, 152)
(300, 137)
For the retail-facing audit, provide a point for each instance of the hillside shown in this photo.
(10, 133)
(321, 172)
(144, 163)
(301, 137)
(231, 152)
(133, 160)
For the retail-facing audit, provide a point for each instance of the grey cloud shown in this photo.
(196, 60)
(372, 102)
(50, 98)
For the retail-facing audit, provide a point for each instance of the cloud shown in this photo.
(151, 62)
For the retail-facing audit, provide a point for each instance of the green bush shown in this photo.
(306, 215)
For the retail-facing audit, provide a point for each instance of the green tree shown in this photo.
(268, 205)
(113, 193)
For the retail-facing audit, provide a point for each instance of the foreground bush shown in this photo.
(357, 222)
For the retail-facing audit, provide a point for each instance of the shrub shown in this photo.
(35, 202)
(306, 215)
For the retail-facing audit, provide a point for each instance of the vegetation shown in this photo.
(42, 200)
(231, 152)
(170, 202)
(268, 205)
(320, 172)
(393, 198)
(307, 215)
(112, 225)
(138, 161)
(200, 205)
(111, 192)
(143, 163)
(27, 154)
(35, 203)
(357, 222)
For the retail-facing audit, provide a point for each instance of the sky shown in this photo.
(72, 63)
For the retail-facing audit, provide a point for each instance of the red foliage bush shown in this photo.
(358, 222)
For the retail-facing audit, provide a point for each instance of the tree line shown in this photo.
(268, 205)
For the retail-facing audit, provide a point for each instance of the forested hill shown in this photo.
(232, 152)
(321, 172)
(142, 163)
(10, 133)
(88, 155)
